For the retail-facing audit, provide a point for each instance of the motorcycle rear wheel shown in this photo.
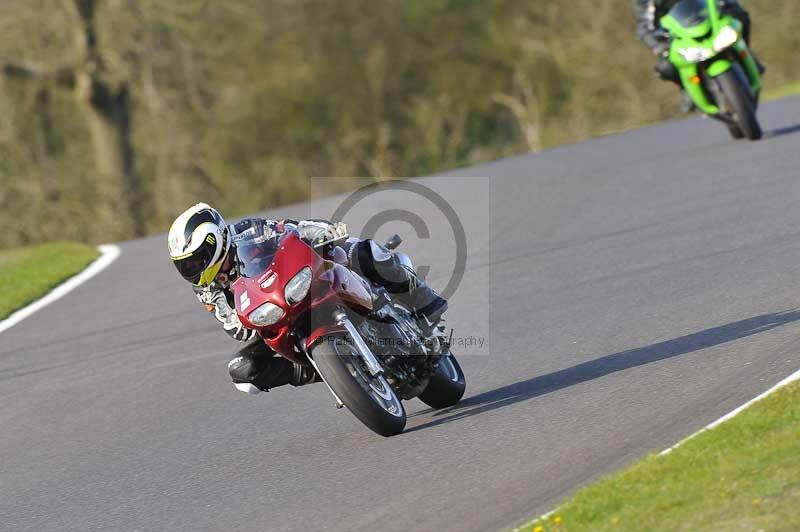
(447, 385)
(371, 399)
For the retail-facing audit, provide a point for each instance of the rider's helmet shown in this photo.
(198, 243)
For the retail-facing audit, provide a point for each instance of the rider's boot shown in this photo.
(382, 267)
(427, 304)
(687, 104)
(411, 290)
(302, 375)
(278, 371)
(668, 72)
(257, 369)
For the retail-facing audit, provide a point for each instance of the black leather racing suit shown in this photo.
(648, 28)
(255, 364)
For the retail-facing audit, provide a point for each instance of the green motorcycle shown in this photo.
(716, 67)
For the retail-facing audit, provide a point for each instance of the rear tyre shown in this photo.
(446, 386)
(371, 399)
(735, 87)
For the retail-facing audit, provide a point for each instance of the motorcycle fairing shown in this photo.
(332, 284)
(718, 62)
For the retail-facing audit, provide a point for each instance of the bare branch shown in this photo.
(63, 76)
(525, 116)
(25, 71)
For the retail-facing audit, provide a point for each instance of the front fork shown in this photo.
(337, 402)
(749, 64)
(364, 351)
(373, 366)
(693, 80)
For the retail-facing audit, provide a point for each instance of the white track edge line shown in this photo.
(791, 378)
(531, 522)
(108, 254)
(733, 413)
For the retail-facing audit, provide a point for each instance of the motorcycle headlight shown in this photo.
(695, 54)
(297, 288)
(726, 38)
(266, 314)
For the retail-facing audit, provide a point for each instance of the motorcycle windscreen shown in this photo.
(692, 15)
(254, 255)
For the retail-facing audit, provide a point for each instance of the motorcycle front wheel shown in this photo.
(370, 398)
(735, 87)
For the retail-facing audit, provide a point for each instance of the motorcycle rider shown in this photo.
(205, 250)
(648, 28)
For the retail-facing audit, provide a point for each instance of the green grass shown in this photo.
(742, 475)
(791, 89)
(30, 272)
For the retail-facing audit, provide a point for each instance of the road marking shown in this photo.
(791, 378)
(108, 254)
(529, 524)
(733, 413)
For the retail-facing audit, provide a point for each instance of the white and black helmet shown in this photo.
(198, 243)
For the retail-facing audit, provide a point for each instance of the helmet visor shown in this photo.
(690, 13)
(192, 266)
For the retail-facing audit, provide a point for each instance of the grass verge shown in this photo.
(742, 475)
(30, 272)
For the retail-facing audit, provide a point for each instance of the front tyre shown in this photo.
(371, 399)
(742, 105)
(446, 386)
(735, 131)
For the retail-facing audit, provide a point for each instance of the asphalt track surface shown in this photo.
(637, 287)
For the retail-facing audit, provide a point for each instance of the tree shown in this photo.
(105, 104)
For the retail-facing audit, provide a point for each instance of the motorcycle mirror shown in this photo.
(393, 242)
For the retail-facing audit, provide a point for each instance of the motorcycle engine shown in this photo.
(399, 345)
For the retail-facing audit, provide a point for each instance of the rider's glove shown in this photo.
(338, 231)
(237, 331)
(216, 302)
(321, 233)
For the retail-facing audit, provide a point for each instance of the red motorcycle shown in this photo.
(367, 347)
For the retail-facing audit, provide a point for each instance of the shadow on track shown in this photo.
(544, 384)
(783, 131)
